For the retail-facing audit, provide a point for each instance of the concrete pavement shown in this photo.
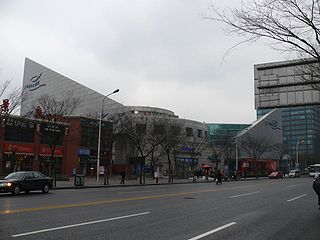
(114, 181)
(268, 209)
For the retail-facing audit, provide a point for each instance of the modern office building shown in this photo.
(283, 85)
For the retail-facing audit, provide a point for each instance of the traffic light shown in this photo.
(38, 112)
(5, 105)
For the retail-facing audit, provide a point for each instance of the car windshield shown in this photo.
(15, 175)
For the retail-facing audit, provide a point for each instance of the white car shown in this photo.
(294, 173)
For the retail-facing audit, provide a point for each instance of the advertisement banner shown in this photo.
(18, 148)
(46, 150)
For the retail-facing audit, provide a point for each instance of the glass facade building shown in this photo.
(218, 130)
(301, 131)
(282, 85)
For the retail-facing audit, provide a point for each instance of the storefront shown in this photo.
(17, 157)
(88, 162)
(185, 166)
(45, 160)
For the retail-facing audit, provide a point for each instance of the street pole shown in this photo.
(237, 157)
(297, 152)
(297, 155)
(99, 134)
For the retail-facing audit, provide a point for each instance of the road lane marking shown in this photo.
(157, 190)
(120, 200)
(84, 204)
(292, 199)
(212, 231)
(245, 194)
(79, 224)
(295, 185)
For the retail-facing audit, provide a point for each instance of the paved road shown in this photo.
(262, 209)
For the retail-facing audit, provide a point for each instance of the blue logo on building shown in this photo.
(35, 83)
(273, 124)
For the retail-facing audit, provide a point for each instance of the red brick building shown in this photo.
(24, 146)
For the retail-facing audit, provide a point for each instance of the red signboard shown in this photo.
(46, 150)
(18, 148)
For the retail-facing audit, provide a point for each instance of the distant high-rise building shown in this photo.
(283, 85)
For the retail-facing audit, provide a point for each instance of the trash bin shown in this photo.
(78, 180)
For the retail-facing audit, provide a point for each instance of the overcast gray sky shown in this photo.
(159, 53)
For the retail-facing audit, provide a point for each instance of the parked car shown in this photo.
(25, 181)
(294, 173)
(275, 175)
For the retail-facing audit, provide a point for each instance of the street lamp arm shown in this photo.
(115, 91)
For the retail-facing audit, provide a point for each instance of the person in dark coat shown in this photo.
(316, 187)
(219, 177)
(123, 175)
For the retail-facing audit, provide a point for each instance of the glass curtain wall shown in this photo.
(301, 132)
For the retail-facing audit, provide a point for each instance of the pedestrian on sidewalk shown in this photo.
(219, 177)
(123, 175)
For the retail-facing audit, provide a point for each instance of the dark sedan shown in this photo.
(25, 181)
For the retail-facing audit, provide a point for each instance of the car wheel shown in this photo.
(27, 191)
(46, 188)
(16, 190)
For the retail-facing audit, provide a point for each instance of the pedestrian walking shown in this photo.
(123, 175)
(219, 177)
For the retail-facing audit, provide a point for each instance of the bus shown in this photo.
(314, 169)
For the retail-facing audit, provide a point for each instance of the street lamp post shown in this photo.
(297, 152)
(237, 157)
(99, 134)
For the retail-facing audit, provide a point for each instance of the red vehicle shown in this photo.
(276, 175)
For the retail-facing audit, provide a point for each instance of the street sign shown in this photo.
(101, 170)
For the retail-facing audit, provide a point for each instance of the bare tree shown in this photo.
(255, 147)
(114, 119)
(194, 146)
(291, 25)
(136, 129)
(223, 148)
(53, 115)
(108, 140)
(11, 101)
(156, 138)
(172, 139)
(280, 151)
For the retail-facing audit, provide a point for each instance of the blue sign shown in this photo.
(187, 161)
(84, 152)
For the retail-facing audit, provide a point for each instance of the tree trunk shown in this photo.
(169, 170)
(256, 168)
(52, 169)
(105, 175)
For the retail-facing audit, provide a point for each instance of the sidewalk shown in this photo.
(114, 181)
